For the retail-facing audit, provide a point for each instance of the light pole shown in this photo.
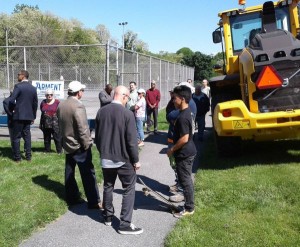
(123, 38)
(123, 44)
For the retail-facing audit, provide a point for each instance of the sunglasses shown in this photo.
(49, 94)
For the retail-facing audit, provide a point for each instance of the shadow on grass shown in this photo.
(7, 151)
(253, 153)
(38, 149)
(59, 190)
(51, 185)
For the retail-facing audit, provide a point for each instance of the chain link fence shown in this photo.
(93, 65)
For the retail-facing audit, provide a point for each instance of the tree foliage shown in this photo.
(20, 7)
(28, 26)
(131, 42)
(203, 66)
(185, 52)
(201, 62)
(103, 34)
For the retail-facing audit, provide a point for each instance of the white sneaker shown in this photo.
(132, 230)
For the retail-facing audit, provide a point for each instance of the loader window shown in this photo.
(242, 25)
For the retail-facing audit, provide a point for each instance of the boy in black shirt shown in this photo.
(184, 149)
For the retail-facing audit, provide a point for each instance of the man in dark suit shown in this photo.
(24, 101)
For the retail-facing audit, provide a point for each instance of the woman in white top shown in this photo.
(140, 113)
(205, 88)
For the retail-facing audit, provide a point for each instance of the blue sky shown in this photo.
(165, 25)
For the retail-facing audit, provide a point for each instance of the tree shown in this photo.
(20, 7)
(172, 57)
(185, 51)
(131, 42)
(103, 34)
(203, 66)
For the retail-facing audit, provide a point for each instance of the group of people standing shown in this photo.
(118, 134)
(143, 104)
(199, 105)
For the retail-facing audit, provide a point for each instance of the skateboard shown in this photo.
(147, 190)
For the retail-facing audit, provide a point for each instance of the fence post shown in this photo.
(107, 64)
(25, 65)
(160, 81)
(150, 71)
(117, 65)
(137, 70)
(7, 61)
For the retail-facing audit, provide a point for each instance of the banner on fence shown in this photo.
(56, 86)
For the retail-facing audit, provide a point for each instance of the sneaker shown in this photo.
(141, 144)
(177, 198)
(182, 213)
(132, 229)
(108, 220)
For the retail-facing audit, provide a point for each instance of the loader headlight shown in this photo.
(278, 54)
(262, 58)
(296, 52)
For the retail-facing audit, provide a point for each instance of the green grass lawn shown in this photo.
(32, 193)
(252, 200)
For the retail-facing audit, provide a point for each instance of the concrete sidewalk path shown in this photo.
(83, 227)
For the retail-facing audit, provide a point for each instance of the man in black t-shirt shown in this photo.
(184, 149)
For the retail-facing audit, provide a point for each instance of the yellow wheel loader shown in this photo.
(257, 95)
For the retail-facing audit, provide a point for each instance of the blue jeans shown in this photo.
(140, 127)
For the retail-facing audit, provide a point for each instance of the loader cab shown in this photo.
(245, 26)
(237, 27)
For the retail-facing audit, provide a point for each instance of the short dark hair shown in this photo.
(72, 93)
(132, 82)
(25, 73)
(184, 92)
(108, 85)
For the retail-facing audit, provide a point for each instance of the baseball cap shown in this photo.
(75, 86)
(188, 85)
(141, 90)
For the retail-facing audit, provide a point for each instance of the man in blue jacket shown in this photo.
(202, 103)
(24, 102)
